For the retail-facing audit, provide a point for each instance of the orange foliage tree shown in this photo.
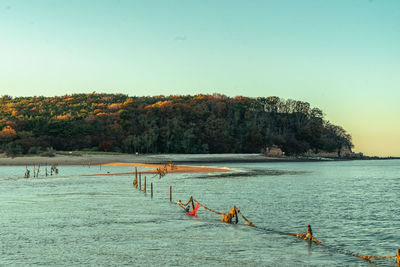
(8, 133)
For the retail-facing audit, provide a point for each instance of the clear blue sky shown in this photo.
(341, 56)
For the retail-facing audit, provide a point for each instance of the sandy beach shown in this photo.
(96, 159)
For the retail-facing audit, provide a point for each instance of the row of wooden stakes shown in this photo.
(227, 217)
(137, 183)
(36, 171)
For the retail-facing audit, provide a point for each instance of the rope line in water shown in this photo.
(184, 206)
(368, 258)
(249, 223)
(233, 213)
(216, 212)
(227, 217)
(308, 236)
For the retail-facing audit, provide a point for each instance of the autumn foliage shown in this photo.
(7, 133)
(166, 124)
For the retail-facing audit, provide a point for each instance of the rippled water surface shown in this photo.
(68, 219)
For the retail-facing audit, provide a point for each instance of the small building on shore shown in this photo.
(273, 151)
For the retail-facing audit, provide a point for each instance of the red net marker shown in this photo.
(193, 212)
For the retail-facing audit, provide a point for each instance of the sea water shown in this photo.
(69, 219)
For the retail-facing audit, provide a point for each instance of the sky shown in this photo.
(342, 56)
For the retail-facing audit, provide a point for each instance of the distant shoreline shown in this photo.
(80, 158)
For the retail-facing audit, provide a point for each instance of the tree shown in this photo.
(339, 137)
(166, 124)
(12, 149)
(8, 134)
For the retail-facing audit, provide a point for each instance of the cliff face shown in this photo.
(342, 152)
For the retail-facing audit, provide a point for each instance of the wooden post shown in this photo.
(135, 181)
(140, 182)
(144, 185)
(151, 190)
(34, 171)
(46, 171)
(398, 257)
(236, 216)
(309, 229)
(26, 172)
(170, 193)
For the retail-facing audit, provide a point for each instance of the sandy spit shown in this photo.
(168, 168)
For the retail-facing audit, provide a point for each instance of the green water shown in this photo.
(69, 219)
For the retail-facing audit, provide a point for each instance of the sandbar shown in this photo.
(167, 167)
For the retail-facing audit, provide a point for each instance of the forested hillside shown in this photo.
(164, 124)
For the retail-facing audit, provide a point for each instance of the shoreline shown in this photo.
(99, 159)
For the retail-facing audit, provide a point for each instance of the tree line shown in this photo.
(165, 124)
